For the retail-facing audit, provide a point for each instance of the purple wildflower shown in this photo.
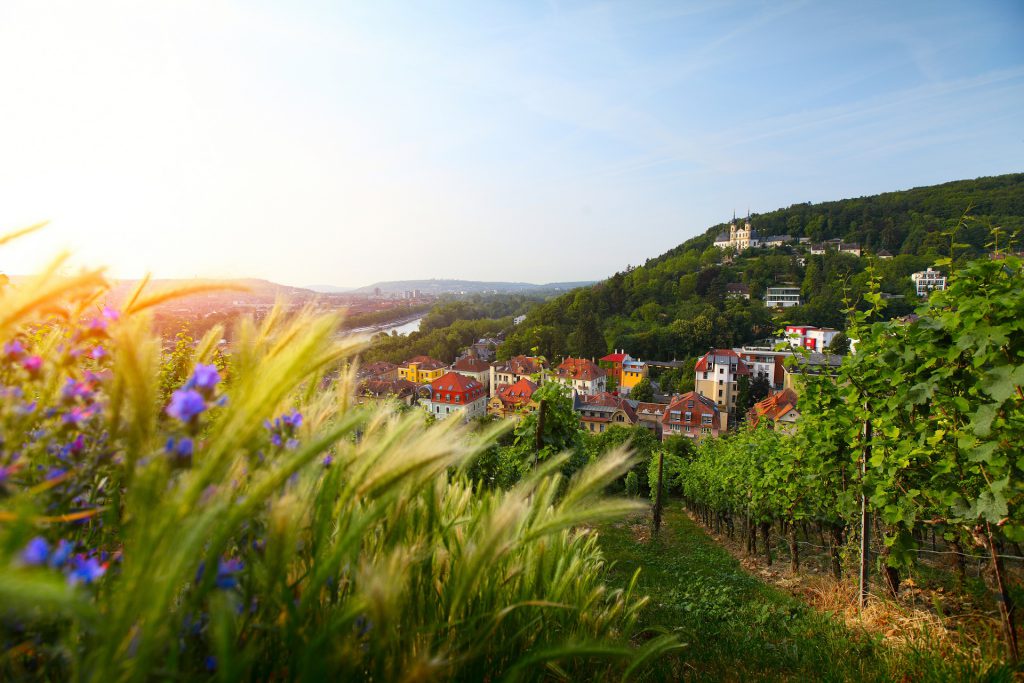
(185, 405)
(85, 570)
(98, 353)
(14, 350)
(36, 552)
(204, 379)
(291, 444)
(111, 314)
(293, 420)
(74, 390)
(78, 445)
(32, 364)
(328, 460)
(78, 415)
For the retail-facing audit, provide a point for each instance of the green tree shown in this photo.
(642, 391)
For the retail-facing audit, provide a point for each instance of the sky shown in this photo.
(350, 142)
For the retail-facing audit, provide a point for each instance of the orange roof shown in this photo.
(518, 393)
(520, 365)
(615, 357)
(383, 387)
(774, 407)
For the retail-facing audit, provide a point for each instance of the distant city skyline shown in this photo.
(349, 143)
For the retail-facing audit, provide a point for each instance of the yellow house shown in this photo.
(633, 371)
(421, 370)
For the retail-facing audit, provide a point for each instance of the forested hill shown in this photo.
(674, 306)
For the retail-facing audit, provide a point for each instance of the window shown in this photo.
(719, 393)
(689, 404)
(458, 399)
(688, 429)
(689, 416)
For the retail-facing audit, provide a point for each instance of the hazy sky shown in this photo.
(348, 142)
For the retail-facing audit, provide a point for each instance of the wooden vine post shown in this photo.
(1007, 608)
(865, 520)
(658, 492)
(539, 441)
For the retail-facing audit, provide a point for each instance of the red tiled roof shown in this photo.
(609, 400)
(520, 365)
(470, 364)
(701, 405)
(614, 357)
(580, 368)
(453, 381)
(383, 387)
(518, 393)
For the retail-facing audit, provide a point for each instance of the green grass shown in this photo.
(736, 627)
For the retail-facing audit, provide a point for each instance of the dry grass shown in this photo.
(948, 623)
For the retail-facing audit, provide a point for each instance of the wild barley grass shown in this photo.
(341, 542)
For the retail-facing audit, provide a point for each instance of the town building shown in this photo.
(810, 337)
(739, 239)
(513, 399)
(514, 369)
(650, 415)
(612, 364)
(421, 369)
(455, 394)
(782, 297)
(927, 281)
(883, 255)
(812, 364)
(737, 290)
(386, 391)
(765, 361)
(484, 349)
(582, 375)
(776, 240)
(778, 410)
(633, 370)
(603, 410)
(381, 370)
(474, 368)
(693, 416)
(717, 375)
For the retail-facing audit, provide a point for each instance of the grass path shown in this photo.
(739, 628)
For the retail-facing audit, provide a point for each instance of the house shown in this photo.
(514, 369)
(883, 255)
(717, 376)
(765, 361)
(385, 391)
(849, 248)
(779, 410)
(927, 281)
(421, 369)
(513, 399)
(810, 337)
(381, 370)
(474, 368)
(739, 239)
(737, 290)
(649, 414)
(633, 370)
(582, 376)
(812, 364)
(612, 364)
(782, 297)
(455, 394)
(484, 349)
(692, 415)
(600, 411)
(776, 240)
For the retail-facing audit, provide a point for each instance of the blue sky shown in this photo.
(345, 143)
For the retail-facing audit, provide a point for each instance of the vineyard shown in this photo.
(911, 450)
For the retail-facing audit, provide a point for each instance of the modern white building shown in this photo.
(782, 297)
(927, 281)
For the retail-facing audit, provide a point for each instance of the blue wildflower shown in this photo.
(204, 379)
(85, 570)
(328, 460)
(186, 405)
(61, 553)
(36, 552)
(226, 570)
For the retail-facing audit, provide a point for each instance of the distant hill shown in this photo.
(329, 289)
(439, 287)
(676, 304)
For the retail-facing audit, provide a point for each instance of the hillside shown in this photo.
(439, 287)
(674, 306)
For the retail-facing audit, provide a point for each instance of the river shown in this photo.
(402, 327)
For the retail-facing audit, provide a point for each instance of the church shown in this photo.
(739, 238)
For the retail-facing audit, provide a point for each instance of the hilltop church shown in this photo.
(739, 238)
